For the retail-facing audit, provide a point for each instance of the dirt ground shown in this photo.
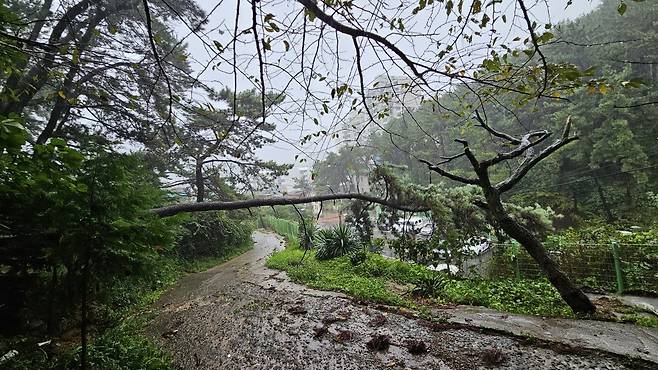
(241, 315)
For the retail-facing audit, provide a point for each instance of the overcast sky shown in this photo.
(294, 118)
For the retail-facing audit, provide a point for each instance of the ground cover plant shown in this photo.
(391, 281)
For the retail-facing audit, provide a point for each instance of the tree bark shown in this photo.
(572, 295)
(278, 201)
(199, 181)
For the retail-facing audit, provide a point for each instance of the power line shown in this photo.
(588, 178)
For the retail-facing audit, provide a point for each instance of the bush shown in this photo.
(213, 234)
(335, 242)
(65, 213)
(306, 233)
(358, 256)
(430, 284)
(119, 347)
(283, 227)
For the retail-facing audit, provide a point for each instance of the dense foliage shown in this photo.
(78, 236)
(78, 218)
(211, 234)
(588, 255)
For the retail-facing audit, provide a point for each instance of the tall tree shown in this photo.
(87, 62)
(215, 144)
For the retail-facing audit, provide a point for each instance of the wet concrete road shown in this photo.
(241, 315)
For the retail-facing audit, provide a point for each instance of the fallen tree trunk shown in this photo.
(278, 201)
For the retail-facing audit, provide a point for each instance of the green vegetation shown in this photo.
(286, 228)
(121, 313)
(530, 297)
(335, 242)
(94, 127)
(372, 280)
(587, 255)
(609, 174)
(368, 280)
(391, 281)
(96, 252)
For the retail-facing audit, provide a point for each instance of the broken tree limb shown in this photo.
(278, 201)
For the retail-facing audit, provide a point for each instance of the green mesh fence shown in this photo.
(631, 268)
(285, 228)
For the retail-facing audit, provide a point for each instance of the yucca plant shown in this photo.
(335, 242)
(430, 284)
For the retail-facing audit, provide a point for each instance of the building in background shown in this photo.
(296, 183)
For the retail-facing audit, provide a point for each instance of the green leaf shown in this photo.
(621, 9)
(476, 7)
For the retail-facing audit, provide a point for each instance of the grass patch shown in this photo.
(372, 280)
(530, 297)
(367, 281)
(649, 321)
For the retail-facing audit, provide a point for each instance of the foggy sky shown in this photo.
(220, 25)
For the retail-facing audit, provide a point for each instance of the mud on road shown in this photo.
(241, 315)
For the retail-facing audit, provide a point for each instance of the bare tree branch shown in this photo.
(149, 29)
(451, 176)
(278, 201)
(527, 165)
(511, 139)
(526, 144)
(535, 42)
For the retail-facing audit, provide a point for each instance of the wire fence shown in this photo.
(286, 228)
(612, 267)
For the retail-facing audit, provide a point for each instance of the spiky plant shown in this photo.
(430, 284)
(335, 242)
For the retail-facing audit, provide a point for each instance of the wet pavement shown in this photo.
(623, 339)
(242, 315)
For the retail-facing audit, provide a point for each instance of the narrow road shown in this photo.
(242, 315)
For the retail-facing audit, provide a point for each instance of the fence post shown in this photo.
(517, 270)
(618, 272)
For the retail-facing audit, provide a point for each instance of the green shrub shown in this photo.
(121, 347)
(283, 227)
(335, 242)
(213, 234)
(358, 256)
(306, 233)
(430, 284)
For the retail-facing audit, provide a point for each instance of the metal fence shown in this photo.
(613, 267)
(286, 228)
